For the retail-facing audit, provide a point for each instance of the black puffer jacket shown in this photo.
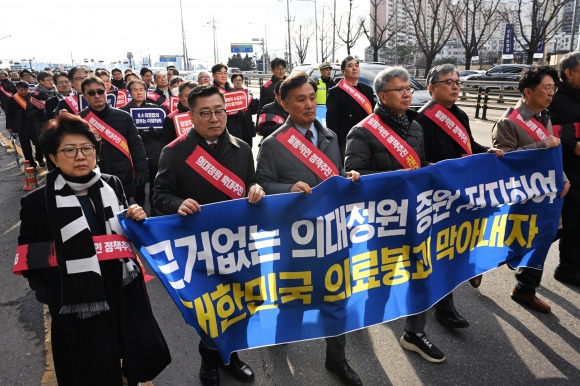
(113, 161)
(565, 109)
(438, 144)
(271, 118)
(367, 155)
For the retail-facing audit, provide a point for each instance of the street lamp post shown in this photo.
(265, 58)
(315, 25)
(185, 60)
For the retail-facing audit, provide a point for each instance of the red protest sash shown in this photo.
(153, 96)
(307, 153)
(557, 129)
(270, 118)
(110, 135)
(38, 103)
(533, 127)
(182, 123)
(449, 123)
(9, 95)
(72, 102)
(21, 101)
(43, 255)
(216, 174)
(236, 100)
(359, 97)
(399, 148)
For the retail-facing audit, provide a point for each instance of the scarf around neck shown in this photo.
(83, 290)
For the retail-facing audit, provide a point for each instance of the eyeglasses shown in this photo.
(550, 89)
(203, 77)
(62, 82)
(401, 90)
(80, 78)
(95, 92)
(71, 152)
(449, 82)
(219, 113)
(47, 80)
(221, 72)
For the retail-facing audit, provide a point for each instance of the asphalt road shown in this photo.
(505, 344)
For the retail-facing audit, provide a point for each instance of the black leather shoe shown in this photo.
(451, 319)
(567, 276)
(346, 374)
(239, 369)
(209, 374)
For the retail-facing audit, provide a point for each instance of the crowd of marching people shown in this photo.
(105, 135)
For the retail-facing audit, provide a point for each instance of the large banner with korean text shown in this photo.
(350, 255)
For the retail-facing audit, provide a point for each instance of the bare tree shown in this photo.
(432, 25)
(475, 23)
(542, 16)
(351, 31)
(379, 35)
(300, 40)
(325, 36)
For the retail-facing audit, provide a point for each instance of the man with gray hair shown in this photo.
(443, 142)
(565, 116)
(368, 152)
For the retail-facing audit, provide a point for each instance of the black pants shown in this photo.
(335, 350)
(27, 134)
(569, 242)
(528, 279)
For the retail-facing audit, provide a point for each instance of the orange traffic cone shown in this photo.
(30, 174)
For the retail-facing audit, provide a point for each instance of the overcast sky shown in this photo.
(108, 29)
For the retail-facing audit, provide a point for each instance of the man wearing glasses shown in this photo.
(349, 102)
(444, 141)
(122, 152)
(181, 187)
(528, 126)
(278, 68)
(370, 152)
(76, 75)
(63, 90)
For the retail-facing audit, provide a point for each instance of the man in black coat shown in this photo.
(565, 110)
(443, 141)
(7, 89)
(370, 152)
(278, 68)
(76, 76)
(343, 111)
(21, 118)
(63, 90)
(180, 189)
(123, 157)
(150, 136)
(169, 132)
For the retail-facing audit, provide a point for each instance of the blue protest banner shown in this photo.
(146, 117)
(350, 255)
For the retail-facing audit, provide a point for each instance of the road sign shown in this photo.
(236, 48)
(168, 58)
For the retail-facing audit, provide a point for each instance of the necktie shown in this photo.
(308, 135)
(212, 146)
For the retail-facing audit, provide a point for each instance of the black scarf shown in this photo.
(401, 123)
(83, 291)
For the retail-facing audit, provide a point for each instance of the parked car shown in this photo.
(368, 72)
(502, 72)
(465, 73)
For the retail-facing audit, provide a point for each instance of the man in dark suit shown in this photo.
(280, 171)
